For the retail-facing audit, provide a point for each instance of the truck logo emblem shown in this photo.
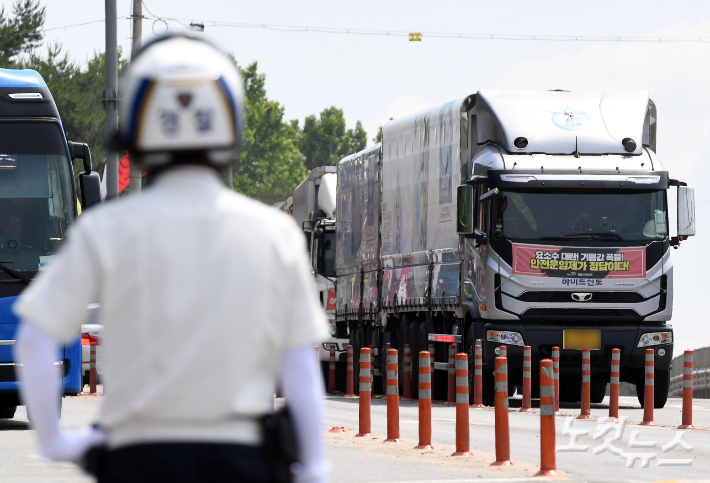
(582, 297)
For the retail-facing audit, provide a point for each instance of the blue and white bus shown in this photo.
(38, 204)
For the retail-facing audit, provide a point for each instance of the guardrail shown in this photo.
(701, 374)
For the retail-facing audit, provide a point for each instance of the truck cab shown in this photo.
(566, 234)
(38, 205)
(313, 206)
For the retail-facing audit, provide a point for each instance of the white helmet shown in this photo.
(181, 98)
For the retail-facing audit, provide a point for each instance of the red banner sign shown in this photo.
(579, 262)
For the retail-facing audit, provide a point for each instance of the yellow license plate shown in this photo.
(582, 339)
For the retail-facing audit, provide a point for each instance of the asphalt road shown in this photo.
(366, 460)
(375, 461)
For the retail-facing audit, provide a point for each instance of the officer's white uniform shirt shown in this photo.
(200, 290)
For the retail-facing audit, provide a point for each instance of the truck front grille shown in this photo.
(551, 314)
(597, 297)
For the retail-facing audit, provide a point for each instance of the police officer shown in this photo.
(205, 295)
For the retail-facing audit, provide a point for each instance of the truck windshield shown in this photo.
(580, 214)
(36, 197)
(326, 254)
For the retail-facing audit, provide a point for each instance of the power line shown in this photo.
(57, 28)
(439, 35)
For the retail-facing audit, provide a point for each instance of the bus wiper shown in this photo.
(13, 273)
(605, 234)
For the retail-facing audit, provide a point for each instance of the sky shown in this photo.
(375, 78)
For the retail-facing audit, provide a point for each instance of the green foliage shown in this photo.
(270, 165)
(276, 155)
(77, 93)
(325, 141)
(20, 34)
(378, 138)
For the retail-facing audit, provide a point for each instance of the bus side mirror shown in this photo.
(464, 209)
(81, 151)
(90, 186)
(686, 211)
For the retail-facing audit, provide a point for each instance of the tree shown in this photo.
(270, 165)
(20, 34)
(325, 141)
(77, 93)
(378, 138)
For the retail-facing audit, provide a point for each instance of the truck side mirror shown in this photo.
(464, 209)
(686, 211)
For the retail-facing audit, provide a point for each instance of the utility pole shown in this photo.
(135, 177)
(109, 99)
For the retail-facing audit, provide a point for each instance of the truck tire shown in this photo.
(488, 392)
(357, 345)
(597, 392)
(471, 354)
(415, 348)
(661, 384)
(7, 412)
(402, 339)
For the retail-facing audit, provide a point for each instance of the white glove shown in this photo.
(72, 446)
(41, 389)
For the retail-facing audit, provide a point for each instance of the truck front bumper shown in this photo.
(541, 338)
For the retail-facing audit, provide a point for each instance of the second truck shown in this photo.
(517, 218)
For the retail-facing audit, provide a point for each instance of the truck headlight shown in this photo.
(505, 337)
(655, 338)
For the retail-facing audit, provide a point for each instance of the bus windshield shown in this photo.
(36, 197)
(580, 214)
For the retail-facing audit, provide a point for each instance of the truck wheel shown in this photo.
(402, 339)
(357, 345)
(661, 384)
(597, 391)
(471, 354)
(7, 412)
(415, 347)
(488, 393)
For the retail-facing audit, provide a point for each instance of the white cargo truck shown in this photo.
(517, 218)
(313, 206)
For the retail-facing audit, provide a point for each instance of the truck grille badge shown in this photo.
(582, 297)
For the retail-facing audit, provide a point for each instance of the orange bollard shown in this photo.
(407, 373)
(462, 436)
(451, 400)
(365, 393)
(392, 397)
(503, 352)
(92, 367)
(614, 386)
(586, 412)
(556, 372)
(424, 401)
(331, 369)
(527, 382)
(502, 428)
(478, 377)
(548, 467)
(349, 380)
(648, 392)
(687, 391)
